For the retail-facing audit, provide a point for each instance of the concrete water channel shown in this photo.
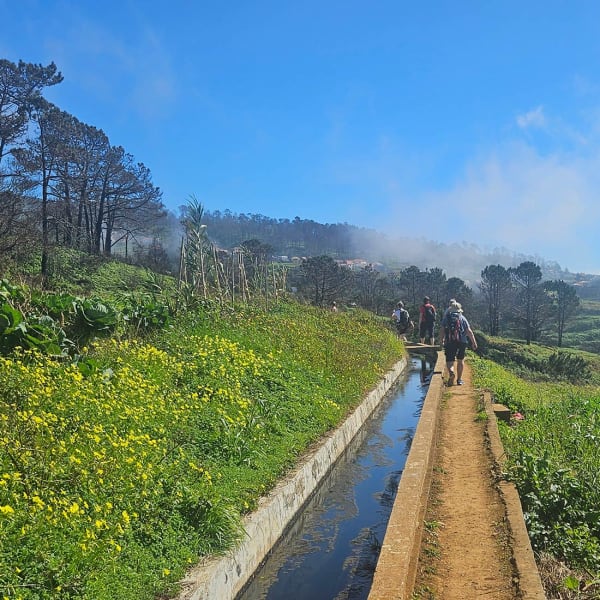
(318, 534)
(331, 550)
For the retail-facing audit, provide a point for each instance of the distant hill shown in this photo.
(303, 238)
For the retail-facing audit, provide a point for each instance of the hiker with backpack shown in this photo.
(427, 321)
(450, 303)
(402, 321)
(457, 334)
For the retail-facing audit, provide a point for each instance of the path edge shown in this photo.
(529, 583)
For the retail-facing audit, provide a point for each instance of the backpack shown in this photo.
(453, 327)
(404, 316)
(429, 313)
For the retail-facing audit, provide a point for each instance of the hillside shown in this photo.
(298, 237)
(139, 428)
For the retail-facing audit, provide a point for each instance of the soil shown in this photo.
(465, 552)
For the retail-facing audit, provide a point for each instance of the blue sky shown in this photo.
(457, 121)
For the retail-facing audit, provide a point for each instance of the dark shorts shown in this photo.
(401, 327)
(454, 350)
(426, 329)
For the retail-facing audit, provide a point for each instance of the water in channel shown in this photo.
(331, 550)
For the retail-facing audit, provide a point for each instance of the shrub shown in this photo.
(553, 460)
(565, 365)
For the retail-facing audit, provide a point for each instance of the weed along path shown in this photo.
(468, 548)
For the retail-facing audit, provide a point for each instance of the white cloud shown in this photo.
(534, 118)
(556, 130)
(523, 196)
(528, 202)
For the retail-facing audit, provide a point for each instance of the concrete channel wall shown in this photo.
(221, 578)
(528, 576)
(396, 569)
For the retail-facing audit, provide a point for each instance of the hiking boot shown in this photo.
(450, 378)
(460, 382)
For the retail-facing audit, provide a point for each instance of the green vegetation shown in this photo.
(535, 362)
(140, 423)
(140, 419)
(582, 331)
(59, 323)
(124, 461)
(552, 457)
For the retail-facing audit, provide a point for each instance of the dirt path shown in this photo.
(465, 552)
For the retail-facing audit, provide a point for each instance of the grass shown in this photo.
(553, 460)
(582, 330)
(540, 363)
(114, 481)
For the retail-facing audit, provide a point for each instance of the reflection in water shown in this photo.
(331, 550)
(426, 370)
(386, 497)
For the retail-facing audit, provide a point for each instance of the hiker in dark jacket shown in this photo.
(457, 334)
(427, 321)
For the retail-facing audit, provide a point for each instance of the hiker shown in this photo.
(457, 333)
(450, 303)
(334, 307)
(402, 321)
(427, 321)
